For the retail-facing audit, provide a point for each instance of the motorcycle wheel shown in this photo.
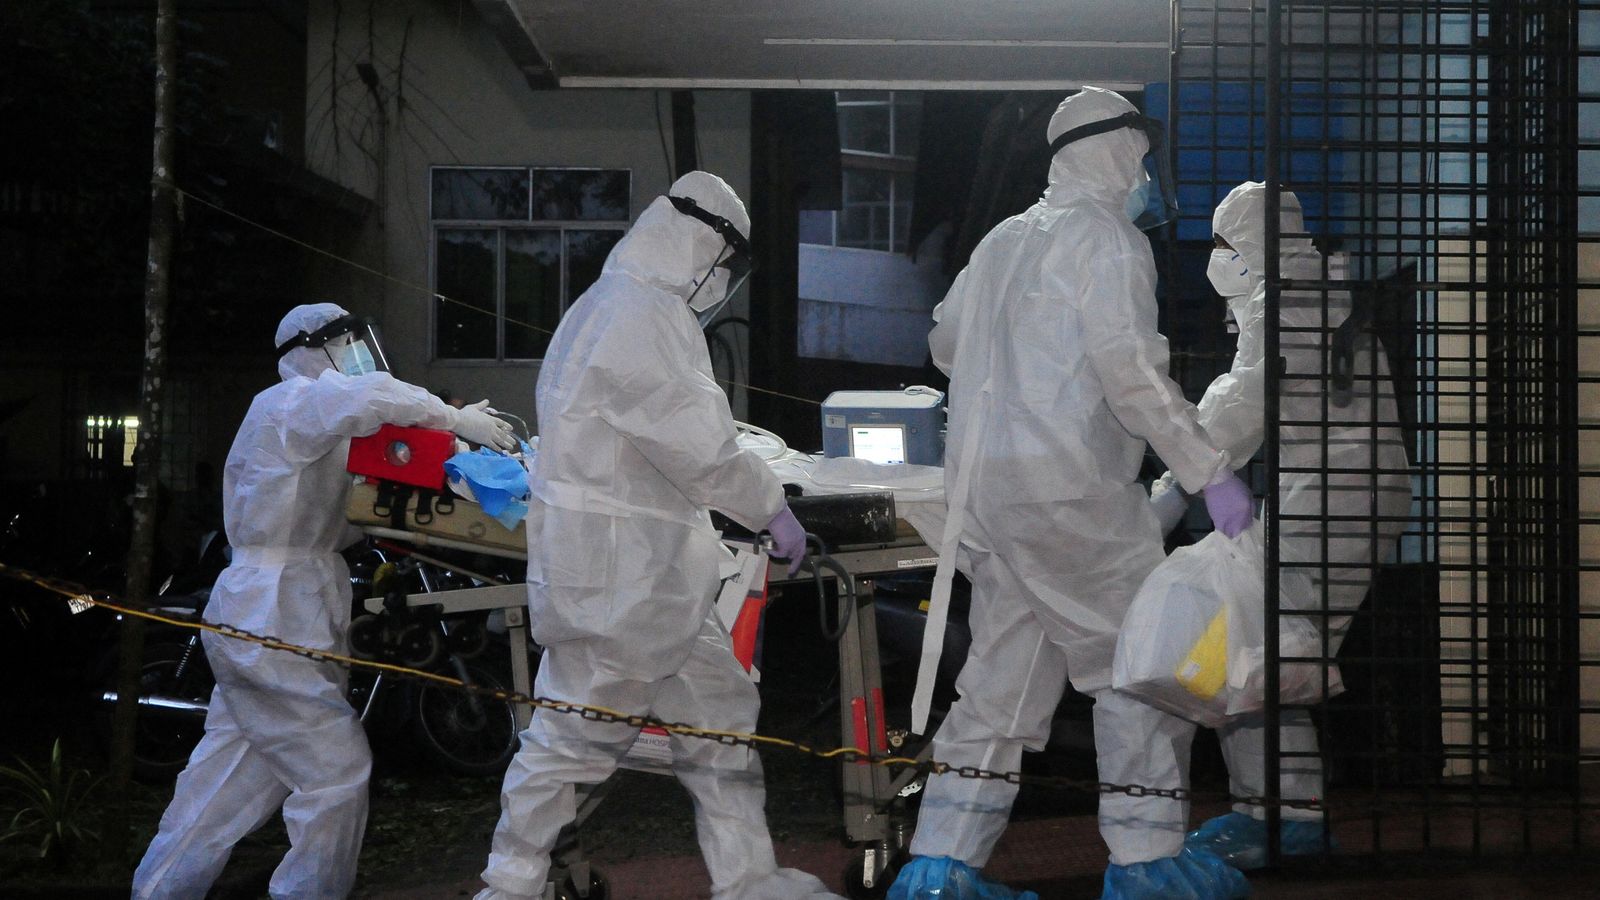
(162, 743)
(465, 741)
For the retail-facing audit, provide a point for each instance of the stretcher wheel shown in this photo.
(599, 889)
(468, 637)
(419, 645)
(366, 636)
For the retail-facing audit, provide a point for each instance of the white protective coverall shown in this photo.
(1360, 435)
(636, 444)
(1058, 378)
(279, 731)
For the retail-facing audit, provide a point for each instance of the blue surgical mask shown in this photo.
(355, 359)
(1139, 199)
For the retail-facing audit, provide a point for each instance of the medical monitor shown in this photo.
(885, 444)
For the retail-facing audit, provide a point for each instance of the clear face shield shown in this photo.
(1151, 202)
(728, 273)
(351, 343)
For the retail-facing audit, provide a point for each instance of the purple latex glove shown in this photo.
(788, 539)
(1230, 504)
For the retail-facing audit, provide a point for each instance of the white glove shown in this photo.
(477, 424)
(1168, 502)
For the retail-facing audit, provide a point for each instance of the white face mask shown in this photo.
(710, 293)
(1228, 273)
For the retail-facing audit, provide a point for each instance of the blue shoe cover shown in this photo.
(943, 878)
(1241, 840)
(1191, 875)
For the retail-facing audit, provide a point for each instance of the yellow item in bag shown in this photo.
(1204, 671)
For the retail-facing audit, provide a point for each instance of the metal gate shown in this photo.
(1446, 155)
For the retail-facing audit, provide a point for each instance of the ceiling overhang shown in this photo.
(835, 44)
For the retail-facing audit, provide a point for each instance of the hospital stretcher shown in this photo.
(865, 541)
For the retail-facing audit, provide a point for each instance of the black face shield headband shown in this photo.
(1161, 206)
(1151, 128)
(361, 330)
(739, 262)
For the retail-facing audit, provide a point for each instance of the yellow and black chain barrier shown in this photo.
(81, 598)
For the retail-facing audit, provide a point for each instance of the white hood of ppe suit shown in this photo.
(280, 730)
(306, 362)
(1058, 380)
(669, 250)
(1103, 167)
(1241, 220)
(636, 444)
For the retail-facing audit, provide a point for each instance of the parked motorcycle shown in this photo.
(464, 733)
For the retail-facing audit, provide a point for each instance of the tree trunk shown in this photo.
(158, 268)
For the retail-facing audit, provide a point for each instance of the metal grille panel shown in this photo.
(1445, 155)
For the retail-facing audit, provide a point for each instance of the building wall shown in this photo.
(454, 98)
(868, 305)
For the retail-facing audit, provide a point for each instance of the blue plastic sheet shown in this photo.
(943, 878)
(498, 482)
(1241, 840)
(1191, 875)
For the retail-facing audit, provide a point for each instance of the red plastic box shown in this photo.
(413, 456)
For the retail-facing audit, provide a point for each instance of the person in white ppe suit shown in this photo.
(1058, 379)
(636, 445)
(1365, 513)
(279, 731)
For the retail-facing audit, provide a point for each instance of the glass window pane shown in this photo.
(816, 226)
(588, 195)
(854, 224)
(586, 256)
(865, 186)
(464, 273)
(533, 290)
(902, 226)
(480, 194)
(879, 239)
(864, 128)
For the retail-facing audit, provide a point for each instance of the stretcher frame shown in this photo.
(873, 820)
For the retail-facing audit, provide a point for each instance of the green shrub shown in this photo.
(54, 810)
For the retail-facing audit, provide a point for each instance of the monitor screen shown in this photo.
(884, 444)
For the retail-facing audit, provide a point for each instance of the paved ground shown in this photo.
(1064, 858)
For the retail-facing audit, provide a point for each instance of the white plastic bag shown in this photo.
(1193, 641)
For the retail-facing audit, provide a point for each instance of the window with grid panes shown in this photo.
(512, 248)
(878, 159)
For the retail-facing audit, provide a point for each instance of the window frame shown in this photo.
(500, 227)
(894, 163)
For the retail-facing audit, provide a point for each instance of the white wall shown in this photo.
(869, 305)
(462, 102)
